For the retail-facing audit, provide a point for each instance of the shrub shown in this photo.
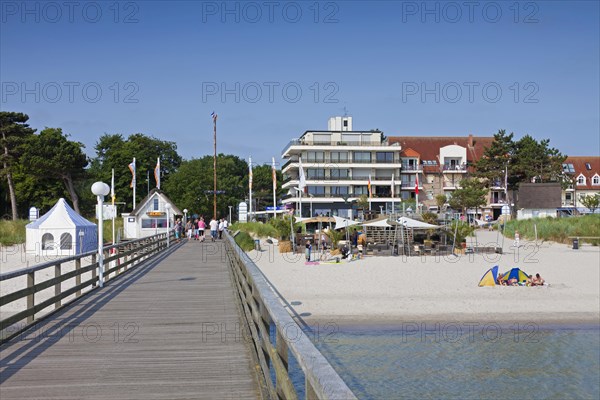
(12, 232)
(245, 241)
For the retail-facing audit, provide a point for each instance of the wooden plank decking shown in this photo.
(168, 329)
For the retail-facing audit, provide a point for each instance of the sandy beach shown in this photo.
(400, 289)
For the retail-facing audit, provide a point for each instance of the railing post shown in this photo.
(310, 392)
(30, 297)
(57, 286)
(78, 276)
(282, 351)
(93, 269)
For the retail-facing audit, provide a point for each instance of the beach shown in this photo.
(391, 290)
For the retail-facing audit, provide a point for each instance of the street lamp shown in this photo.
(230, 214)
(100, 189)
(168, 208)
(185, 211)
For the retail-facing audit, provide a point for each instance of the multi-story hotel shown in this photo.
(338, 164)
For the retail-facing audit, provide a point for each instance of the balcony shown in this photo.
(460, 168)
(411, 168)
(302, 142)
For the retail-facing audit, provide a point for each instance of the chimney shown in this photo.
(470, 143)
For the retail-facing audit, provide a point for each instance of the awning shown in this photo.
(413, 223)
(341, 223)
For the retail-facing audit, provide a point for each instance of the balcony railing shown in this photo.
(406, 167)
(299, 142)
(457, 167)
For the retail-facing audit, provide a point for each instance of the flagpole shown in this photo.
(112, 195)
(417, 192)
(134, 181)
(274, 190)
(215, 166)
(393, 190)
(250, 187)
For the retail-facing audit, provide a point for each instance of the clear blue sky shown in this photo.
(374, 58)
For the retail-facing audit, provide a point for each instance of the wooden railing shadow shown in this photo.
(61, 323)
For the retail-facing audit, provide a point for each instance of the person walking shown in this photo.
(214, 226)
(517, 239)
(307, 250)
(221, 228)
(201, 229)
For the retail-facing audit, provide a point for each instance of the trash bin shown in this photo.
(576, 244)
(257, 244)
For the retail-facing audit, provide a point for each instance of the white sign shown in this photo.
(243, 212)
(505, 210)
(34, 214)
(108, 211)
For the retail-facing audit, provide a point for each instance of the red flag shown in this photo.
(417, 184)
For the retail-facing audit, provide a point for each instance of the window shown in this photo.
(316, 190)
(385, 157)
(588, 166)
(321, 138)
(339, 156)
(339, 190)
(66, 241)
(315, 156)
(581, 180)
(362, 157)
(568, 168)
(155, 204)
(568, 196)
(358, 190)
(596, 180)
(47, 241)
(339, 174)
(383, 191)
(315, 173)
(153, 223)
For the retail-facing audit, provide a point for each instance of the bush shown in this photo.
(12, 232)
(464, 230)
(245, 241)
(257, 228)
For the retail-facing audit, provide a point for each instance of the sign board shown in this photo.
(34, 214)
(505, 210)
(279, 208)
(156, 213)
(243, 212)
(109, 211)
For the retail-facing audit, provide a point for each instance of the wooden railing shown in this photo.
(118, 259)
(263, 310)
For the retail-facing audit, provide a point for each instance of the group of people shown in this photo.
(531, 280)
(195, 229)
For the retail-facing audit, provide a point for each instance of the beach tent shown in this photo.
(413, 223)
(517, 273)
(61, 232)
(489, 278)
(341, 223)
(381, 222)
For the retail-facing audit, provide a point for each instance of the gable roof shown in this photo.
(429, 146)
(61, 215)
(579, 164)
(142, 204)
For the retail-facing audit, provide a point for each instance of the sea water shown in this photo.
(465, 360)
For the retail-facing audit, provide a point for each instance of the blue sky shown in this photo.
(407, 69)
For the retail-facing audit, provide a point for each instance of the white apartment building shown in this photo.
(337, 164)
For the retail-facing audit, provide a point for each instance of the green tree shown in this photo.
(496, 159)
(262, 185)
(470, 195)
(440, 200)
(53, 155)
(537, 161)
(191, 186)
(591, 202)
(114, 151)
(14, 132)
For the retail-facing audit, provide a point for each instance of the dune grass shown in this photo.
(557, 229)
(245, 241)
(257, 228)
(12, 232)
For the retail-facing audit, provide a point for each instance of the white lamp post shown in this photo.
(311, 201)
(168, 208)
(100, 189)
(230, 214)
(185, 211)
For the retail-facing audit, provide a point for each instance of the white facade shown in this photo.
(150, 216)
(337, 165)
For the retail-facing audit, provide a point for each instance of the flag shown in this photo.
(393, 186)
(369, 187)
(132, 169)
(157, 173)
(274, 171)
(417, 184)
(214, 116)
(250, 173)
(112, 187)
(301, 175)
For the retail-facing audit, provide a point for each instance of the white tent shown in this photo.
(380, 222)
(341, 223)
(61, 231)
(413, 223)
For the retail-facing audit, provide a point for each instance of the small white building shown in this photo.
(61, 232)
(150, 216)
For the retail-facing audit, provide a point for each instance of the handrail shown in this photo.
(263, 309)
(126, 255)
